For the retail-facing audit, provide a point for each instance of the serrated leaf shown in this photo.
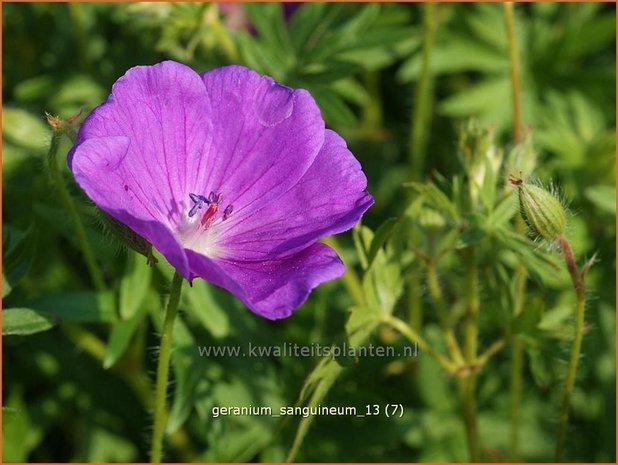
(24, 322)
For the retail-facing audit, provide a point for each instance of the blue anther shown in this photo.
(228, 211)
(198, 202)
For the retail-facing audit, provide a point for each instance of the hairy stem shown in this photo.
(467, 385)
(517, 351)
(509, 23)
(580, 308)
(422, 345)
(163, 366)
(69, 206)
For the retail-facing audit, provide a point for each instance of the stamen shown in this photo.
(213, 207)
(228, 211)
(198, 202)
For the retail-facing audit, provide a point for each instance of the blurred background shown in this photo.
(74, 384)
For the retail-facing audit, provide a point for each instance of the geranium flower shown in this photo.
(230, 175)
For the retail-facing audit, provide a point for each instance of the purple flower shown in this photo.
(230, 175)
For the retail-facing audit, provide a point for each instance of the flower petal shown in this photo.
(330, 198)
(265, 137)
(99, 170)
(272, 289)
(164, 113)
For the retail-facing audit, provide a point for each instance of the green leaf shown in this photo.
(17, 255)
(24, 129)
(317, 385)
(336, 112)
(457, 55)
(380, 237)
(362, 237)
(22, 433)
(6, 286)
(438, 198)
(306, 24)
(240, 444)
(502, 213)
(470, 236)
(202, 304)
(24, 321)
(83, 307)
(120, 337)
(134, 285)
(267, 18)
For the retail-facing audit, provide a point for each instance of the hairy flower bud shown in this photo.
(541, 210)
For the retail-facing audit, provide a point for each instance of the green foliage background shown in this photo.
(77, 364)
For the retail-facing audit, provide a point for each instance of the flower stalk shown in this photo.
(580, 308)
(163, 366)
(68, 204)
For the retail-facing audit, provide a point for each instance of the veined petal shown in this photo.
(272, 289)
(330, 198)
(163, 111)
(99, 170)
(265, 137)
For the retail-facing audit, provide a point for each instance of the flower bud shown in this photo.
(541, 210)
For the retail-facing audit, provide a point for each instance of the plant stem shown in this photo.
(435, 291)
(69, 206)
(509, 23)
(467, 385)
(417, 339)
(163, 366)
(580, 308)
(517, 350)
(490, 352)
(419, 128)
(422, 108)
